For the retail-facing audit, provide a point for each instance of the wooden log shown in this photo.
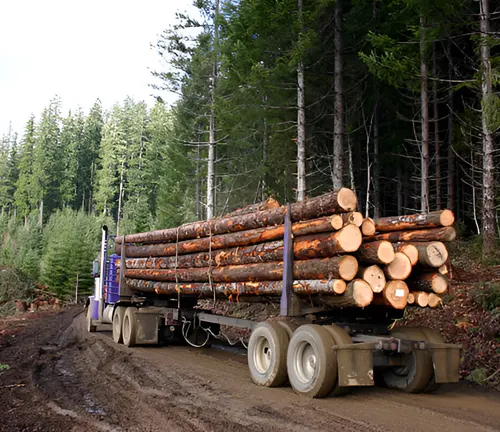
(434, 300)
(409, 250)
(358, 293)
(268, 204)
(441, 218)
(341, 267)
(399, 268)
(368, 227)
(375, 277)
(430, 282)
(344, 200)
(431, 254)
(421, 298)
(411, 298)
(395, 295)
(424, 235)
(246, 238)
(322, 245)
(377, 252)
(355, 218)
(224, 290)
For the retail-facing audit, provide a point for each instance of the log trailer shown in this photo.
(318, 351)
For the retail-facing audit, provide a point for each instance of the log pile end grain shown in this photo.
(368, 227)
(400, 268)
(375, 277)
(409, 250)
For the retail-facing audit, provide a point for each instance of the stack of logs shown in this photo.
(339, 258)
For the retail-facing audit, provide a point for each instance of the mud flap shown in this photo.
(446, 362)
(147, 328)
(355, 364)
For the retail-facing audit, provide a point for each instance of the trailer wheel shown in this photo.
(90, 328)
(432, 336)
(340, 337)
(417, 372)
(267, 350)
(129, 327)
(312, 361)
(118, 324)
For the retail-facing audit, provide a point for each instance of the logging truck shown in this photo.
(319, 347)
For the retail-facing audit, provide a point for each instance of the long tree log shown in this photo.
(395, 295)
(434, 300)
(409, 250)
(264, 288)
(424, 235)
(419, 298)
(305, 247)
(375, 277)
(442, 218)
(358, 293)
(342, 267)
(399, 268)
(377, 252)
(368, 227)
(347, 239)
(430, 282)
(335, 202)
(355, 218)
(268, 204)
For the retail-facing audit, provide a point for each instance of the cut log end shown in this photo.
(337, 222)
(447, 218)
(375, 277)
(355, 218)
(348, 267)
(349, 238)
(434, 300)
(434, 255)
(347, 200)
(368, 227)
(421, 298)
(409, 250)
(362, 293)
(400, 268)
(385, 252)
(395, 294)
(338, 286)
(411, 298)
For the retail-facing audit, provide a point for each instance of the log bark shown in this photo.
(355, 218)
(343, 200)
(409, 250)
(368, 227)
(268, 204)
(342, 267)
(375, 277)
(399, 268)
(244, 238)
(429, 282)
(358, 293)
(224, 290)
(424, 235)
(421, 298)
(395, 295)
(434, 300)
(377, 252)
(442, 218)
(305, 247)
(431, 254)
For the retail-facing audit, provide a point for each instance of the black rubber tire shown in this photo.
(340, 337)
(90, 328)
(118, 324)
(266, 353)
(319, 343)
(432, 336)
(289, 326)
(416, 375)
(129, 328)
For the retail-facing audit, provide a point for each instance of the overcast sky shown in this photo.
(78, 50)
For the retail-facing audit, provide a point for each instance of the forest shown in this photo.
(275, 98)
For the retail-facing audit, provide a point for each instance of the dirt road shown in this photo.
(61, 378)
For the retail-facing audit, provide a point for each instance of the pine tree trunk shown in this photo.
(451, 154)
(120, 198)
(265, 144)
(338, 118)
(197, 186)
(437, 143)
(40, 213)
(211, 135)
(301, 122)
(424, 112)
(376, 167)
(489, 216)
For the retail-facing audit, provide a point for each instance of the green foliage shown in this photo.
(488, 297)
